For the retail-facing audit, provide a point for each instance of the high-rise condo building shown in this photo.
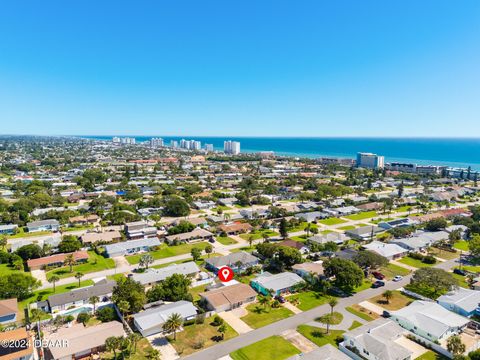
(156, 142)
(231, 147)
(370, 161)
(209, 147)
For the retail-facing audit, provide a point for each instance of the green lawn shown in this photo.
(258, 316)
(221, 208)
(226, 240)
(355, 324)
(474, 269)
(345, 228)
(332, 221)
(257, 234)
(197, 290)
(308, 300)
(360, 314)
(362, 215)
(302, 227)
(461, 280)
(5, 269)
(367, 284)
(22, 234)
(461, 245)
(319, 336)
(301, 238)
(95, 263)
(443, 254)
(430, 355)
(272, 348)
(392, 270)
(336, 318)
(77, 228)
(166, 251)
(407, 260)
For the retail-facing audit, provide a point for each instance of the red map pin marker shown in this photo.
(225, 274)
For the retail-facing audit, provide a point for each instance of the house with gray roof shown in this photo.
(311, 216)
(364, 233)
(80, 297)
(268, 284)
(462, 301)
(335, 237)
(150, 322)
(429, 320)
(326, 352)
(152, 276)
(379, 339)
(43, 225)
(131, 247)
(8, 229)
(237, 261)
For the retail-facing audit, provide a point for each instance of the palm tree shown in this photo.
(134, 339)
(263, 300)
(94, 300)
(52, 280)
(388, 294)
(226, 217)
(3, 242)
(308, 228)
(79, 276)
(36, 315)
(332, 302)
(124, 307)
(250, 240)
(325, 319)
(173, 324)
(112, 344)
(222, 329)
(455, 345)
(69, 261)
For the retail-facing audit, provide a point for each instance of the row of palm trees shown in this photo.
(128, 345)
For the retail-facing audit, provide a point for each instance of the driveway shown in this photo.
(233, 319)
(40, 275)
(292, 308)
(417, 349)
(299, 341)
(372, 307)
(160, 342)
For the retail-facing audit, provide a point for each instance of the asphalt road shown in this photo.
(278, 327)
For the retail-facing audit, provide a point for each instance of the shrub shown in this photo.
(106, 314)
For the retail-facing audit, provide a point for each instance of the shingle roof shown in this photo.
(465, 299)
(278, 281)
(231, 259)
(229, 294)
(8, 307)
(124, 246)
(155, 275)
(102, 288)
(158, 315)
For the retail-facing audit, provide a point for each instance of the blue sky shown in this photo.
(240, 68)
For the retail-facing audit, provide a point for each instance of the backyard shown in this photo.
(362, 215)
(197, 336)
(332, 221)
(226, 240)
(397, 301)
(272, 348)
(258, 234)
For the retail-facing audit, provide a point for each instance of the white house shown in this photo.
(390, 251)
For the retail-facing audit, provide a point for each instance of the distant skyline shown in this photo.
(239, 69)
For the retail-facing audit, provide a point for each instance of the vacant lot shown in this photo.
(259, 316)
(332, 221)
(319, 336)
(362, 215)
(397, 301)
(95, 263)
(272, 348)
(308, 300)
(362, 313)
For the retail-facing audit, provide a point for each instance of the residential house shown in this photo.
(197, 234)
(229, 297)
(364, 233)
(337, 238)
(380, 339)
(77, 298)
(8, 229)
(56, 260)
(405, 222)
(312, 216)
(153, 276)
(23, 349)
(131, 247)
(387, 250)
(429, 320)
(83, 219)
(254, 213)
(462, 301)
(43, 225)
(235, 228)
(203, 205)
(140, 230)
(227, 201)
(296, 245)
(150, 322)
(101, 237)
(8, 311)
(268, 284)
(308, 269)
(82, 342)
(237, 261)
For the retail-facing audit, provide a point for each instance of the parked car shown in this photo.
(280, 299)
(337, 292)
(459, 272)
(378, 275)
(378, 284)
(397, 278)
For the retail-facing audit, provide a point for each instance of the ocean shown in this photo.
(425, 151)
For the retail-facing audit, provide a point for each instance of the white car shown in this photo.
(397, 278)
